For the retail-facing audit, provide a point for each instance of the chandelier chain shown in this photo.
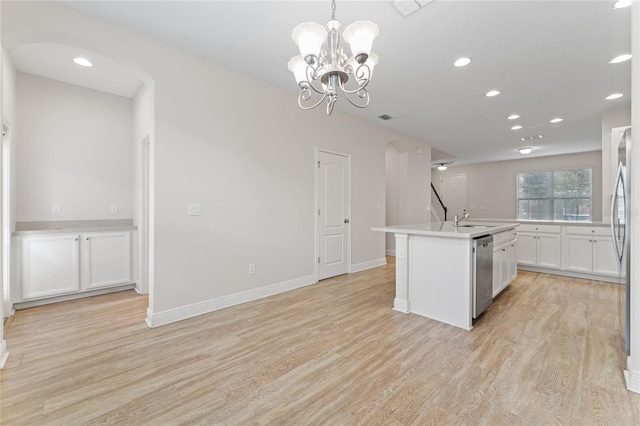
(333, 10)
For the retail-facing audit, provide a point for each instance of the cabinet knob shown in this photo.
(87, 238)
(76, 239)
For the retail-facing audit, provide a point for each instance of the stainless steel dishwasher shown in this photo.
(482, 274)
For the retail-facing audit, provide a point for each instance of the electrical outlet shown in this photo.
(55, 209)
(252, 269)
(113, 209)
(195, 209)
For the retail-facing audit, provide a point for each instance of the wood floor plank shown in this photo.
(548, 351)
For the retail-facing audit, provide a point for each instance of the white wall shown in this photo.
(616, 118)
(493, 186)
(243, 150)
(408, 189)
(74, 149)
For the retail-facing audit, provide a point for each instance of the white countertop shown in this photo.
(446, 229)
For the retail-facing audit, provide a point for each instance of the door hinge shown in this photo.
(318, 260)
(318, 164)
(318, 212)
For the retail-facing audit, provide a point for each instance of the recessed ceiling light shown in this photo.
(513, 117)
(555, 120)
(614, 96)
(492, 93)
(83, 62)
(442, 167)
(531, 138)
(525, 150)
(621, 4)
(620, 58)
(462, 62)
(518, 127)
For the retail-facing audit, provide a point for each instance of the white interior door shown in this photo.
(454, 194)
(333, 200)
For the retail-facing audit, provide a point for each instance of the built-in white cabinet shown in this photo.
(60, 264)
(540, 245)
(589, 250)
(504, 260)
(584, 251)
(50, 265)
(107, 259)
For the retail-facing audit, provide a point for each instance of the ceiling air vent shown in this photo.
(384, 117)
(407, 7)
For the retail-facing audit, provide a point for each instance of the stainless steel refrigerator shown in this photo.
(620, 227)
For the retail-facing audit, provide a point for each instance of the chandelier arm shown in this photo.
(362, 94)
(305, 95)
(362, 77)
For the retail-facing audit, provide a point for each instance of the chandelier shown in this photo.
(321, 73)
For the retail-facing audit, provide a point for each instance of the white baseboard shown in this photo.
(3, 354)
(401, 305)
(390, 252)
(200, 308)
(632, 377)
(359, 267)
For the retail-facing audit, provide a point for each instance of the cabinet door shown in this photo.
(513, 263)
(497, 279)
(107, 259)
(548, 251)
(50, 265)
(578, 253)
(504, 267)
(604, 259)
(526, 248)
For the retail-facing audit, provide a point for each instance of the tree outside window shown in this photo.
(555, 195)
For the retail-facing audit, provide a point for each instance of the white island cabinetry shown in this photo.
(505, 268)
(63, 264)
(435, 268)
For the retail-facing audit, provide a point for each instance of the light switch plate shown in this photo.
(113, 209)
(195, 209)
(55, 209)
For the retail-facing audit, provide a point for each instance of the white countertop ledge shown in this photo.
(446, 229)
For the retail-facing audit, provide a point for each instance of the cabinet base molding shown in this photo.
(184, 312)
(66, 297)
(564, 273)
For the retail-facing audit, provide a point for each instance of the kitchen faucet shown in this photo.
(457, 220)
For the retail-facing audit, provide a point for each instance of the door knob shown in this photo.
(346, 221)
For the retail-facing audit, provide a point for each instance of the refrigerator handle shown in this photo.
(614, 218)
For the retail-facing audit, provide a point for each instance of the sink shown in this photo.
(475, 226)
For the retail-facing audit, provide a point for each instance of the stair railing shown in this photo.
(444, 208)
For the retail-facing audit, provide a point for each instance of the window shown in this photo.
(555, 195)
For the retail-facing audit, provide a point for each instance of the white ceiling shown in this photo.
(548, 58)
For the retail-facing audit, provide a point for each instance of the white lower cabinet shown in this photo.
(578, 250)
(55, 265)
(589, 250)
(540, 246)
(505, 267)
(50, 265)
(107, 259)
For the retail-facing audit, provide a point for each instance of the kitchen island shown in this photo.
(434, 268)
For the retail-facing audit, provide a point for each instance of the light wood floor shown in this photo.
(547, 352)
